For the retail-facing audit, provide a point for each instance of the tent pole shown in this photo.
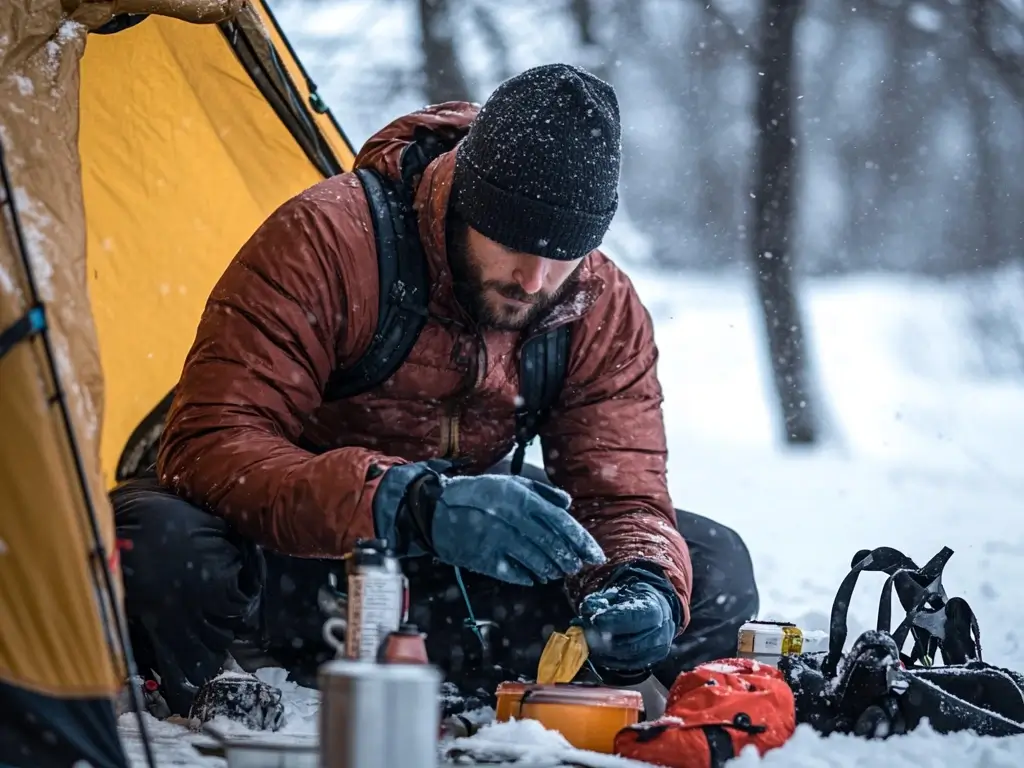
(309, 81)
(99, 551)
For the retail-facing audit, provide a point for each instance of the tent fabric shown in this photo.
(38, 730)
(140, 161)
(178, 168)
(54, 638)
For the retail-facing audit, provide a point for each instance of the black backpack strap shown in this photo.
(402, 268)
(543, 362)
(936, 622)
(884, 559)
(403, 295)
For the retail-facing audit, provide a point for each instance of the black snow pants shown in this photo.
(195, 591)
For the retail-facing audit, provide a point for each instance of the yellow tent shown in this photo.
(143, 141)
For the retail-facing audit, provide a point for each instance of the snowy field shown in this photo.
(924, 452)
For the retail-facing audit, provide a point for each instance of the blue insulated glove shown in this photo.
(630, 625)
(509, 528)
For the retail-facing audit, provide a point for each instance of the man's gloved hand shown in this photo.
(506, 527)
(631, 623)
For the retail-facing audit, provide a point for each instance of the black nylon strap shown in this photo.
(883, 559)
(403, 295)
(924, 599)
(542, 366)
(719, 745)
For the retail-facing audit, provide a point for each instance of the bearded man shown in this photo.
(262, 483)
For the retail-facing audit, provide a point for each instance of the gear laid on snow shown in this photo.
(508, 617)
(712, 714)
(875, 690)
(241, 697)
(539, 170)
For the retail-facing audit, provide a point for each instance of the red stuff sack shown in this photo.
(712, 713)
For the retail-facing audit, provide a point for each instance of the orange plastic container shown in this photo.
(587, 716)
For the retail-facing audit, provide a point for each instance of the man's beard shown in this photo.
(471, 290)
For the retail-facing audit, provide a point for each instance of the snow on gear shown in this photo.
(241, 697)
(631, 622)
(877, 690)
(539, 170)
(499, 638)
(508, 527)
(712, 713)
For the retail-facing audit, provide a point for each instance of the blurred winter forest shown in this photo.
(783, 138)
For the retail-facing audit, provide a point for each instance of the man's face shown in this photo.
(503, 289)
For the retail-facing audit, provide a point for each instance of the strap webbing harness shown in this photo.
(936, 622)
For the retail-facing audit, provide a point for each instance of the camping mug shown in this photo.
(378, 715)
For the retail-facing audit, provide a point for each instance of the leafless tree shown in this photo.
(584, 14)
(772, 225)
(444, 77)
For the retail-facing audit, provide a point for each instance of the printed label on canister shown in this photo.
(770, 639)
(375, 606)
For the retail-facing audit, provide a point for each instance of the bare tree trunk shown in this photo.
(583, 13)
(990, 251)
(773, 219)
(494, 40)
(722, 188)
(995, 249)
(445, 80)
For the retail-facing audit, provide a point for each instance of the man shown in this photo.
(262, 485)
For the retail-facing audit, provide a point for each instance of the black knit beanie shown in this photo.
(539, 170)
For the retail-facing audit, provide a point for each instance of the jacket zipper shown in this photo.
(453, 408)
(447, 419)
(453, 432)
(450, 419)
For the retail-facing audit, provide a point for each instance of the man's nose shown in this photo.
(530, 273)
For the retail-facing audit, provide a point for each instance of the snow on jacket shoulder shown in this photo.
(250, 438)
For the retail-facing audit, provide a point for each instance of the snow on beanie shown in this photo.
(538, 171)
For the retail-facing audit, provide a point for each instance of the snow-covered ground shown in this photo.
(925, 452)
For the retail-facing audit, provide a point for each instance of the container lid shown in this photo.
(572, 693)
(369, 670)
(369, 552)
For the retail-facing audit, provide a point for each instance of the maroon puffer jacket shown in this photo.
(300, 300)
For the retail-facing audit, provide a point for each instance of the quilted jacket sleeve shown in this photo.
(605, 443)
(292, 305)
